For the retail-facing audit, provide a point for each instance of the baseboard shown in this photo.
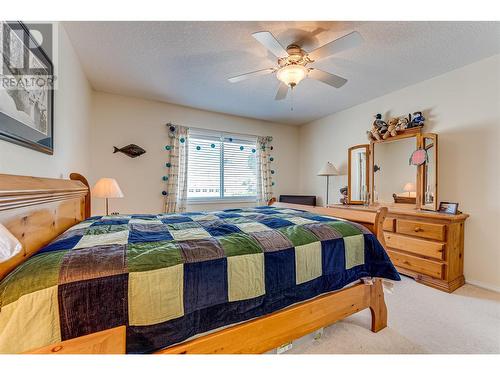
(480, 284)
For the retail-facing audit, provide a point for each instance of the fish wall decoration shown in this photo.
(130, 150)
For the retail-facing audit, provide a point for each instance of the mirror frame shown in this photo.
(367, 169)
(419, 143)
(408, 134)
(422, 182)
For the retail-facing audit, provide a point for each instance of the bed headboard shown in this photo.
(36, 210)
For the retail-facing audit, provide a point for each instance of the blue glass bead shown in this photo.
(242, 148)
(230, 139)
(212, 145)
(272, 183)
(164, 178)
(167, 148)
(172, 128)
(271, 159)
(198, 148)
(272, 171)
(168, 165)
(182, 140)
(253, 150)
(163, 192)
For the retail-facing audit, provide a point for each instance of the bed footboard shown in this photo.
(268, 332)
(372, 220)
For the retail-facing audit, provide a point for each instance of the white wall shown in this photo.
(72, 101)
(463, 108)
(119, 121)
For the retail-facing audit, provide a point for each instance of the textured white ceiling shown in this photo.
(188, 63)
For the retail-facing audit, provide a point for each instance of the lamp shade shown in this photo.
(291, 75)
(409, 187)
(328, 170)
(107, 188)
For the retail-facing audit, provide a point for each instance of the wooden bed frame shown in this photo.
(36, 210)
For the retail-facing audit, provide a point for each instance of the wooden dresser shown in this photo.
(426, 245)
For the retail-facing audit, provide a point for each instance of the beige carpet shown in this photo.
(421, 320)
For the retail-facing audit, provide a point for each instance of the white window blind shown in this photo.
(221, 166)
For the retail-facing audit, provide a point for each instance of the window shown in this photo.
(221, 166)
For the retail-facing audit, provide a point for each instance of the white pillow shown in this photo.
(9, 245)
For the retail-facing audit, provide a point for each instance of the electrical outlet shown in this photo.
(284, 348)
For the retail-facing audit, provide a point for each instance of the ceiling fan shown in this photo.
(292, 62)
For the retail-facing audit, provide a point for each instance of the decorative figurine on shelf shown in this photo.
(391, 128)
(403, 122)
(379, 128)
(418, 120)
(380, 124)
(343, 199)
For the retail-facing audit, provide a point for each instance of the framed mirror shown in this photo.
(429, 171)
(358, 177)
(394, 180)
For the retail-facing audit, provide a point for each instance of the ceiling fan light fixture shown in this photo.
(291, 75)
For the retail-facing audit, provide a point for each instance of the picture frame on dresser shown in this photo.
(448, 208)
(27, 99)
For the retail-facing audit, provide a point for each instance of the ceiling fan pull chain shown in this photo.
(291, 98)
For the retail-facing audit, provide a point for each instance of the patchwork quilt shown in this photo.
(172, 276)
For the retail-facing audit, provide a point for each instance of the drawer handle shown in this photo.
(418, 229)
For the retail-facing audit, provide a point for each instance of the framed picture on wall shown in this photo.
(26, 89)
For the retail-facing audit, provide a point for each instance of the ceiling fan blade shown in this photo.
(282, 92)
(328, 78)
(242, 77)
(271, 43)
(350, 40)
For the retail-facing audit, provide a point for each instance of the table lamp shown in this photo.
(328, 170)
(107, 188)
(409, 188)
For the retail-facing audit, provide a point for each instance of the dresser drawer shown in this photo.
(423, 266)
(415, 245)
(388, 225)
(420, 229)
